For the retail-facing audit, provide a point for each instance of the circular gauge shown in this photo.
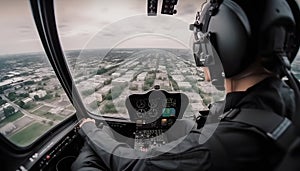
(140, 113)
(163, 102)
(140, 104)
(153, 103)
(152, 113)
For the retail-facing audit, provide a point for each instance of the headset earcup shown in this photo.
(277, 22)
(295, 7)
(232, 38)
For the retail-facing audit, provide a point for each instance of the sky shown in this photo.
(96, 24)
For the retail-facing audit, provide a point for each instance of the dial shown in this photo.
(153, 103)
(152, 113)
(140, 104)
(140, 113)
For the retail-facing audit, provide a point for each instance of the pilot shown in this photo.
(256, 40)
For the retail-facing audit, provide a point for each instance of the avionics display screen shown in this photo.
(169, 112)
(156, 104)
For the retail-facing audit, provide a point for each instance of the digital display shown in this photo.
(156, 104)
(168, 112)
(171, 102)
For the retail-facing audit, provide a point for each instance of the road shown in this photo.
(26, 113)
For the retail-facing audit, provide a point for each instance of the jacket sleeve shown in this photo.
(116, 155)
(172, 156)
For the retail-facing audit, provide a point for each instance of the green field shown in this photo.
(11, 118)
(29, 134)
(44, 112)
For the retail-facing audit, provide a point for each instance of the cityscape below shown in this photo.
(32, 100)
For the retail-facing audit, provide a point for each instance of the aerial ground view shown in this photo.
(32, 100)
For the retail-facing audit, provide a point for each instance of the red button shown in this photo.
(48, 157)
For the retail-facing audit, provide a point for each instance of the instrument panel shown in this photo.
(156, 105)
(153, 113)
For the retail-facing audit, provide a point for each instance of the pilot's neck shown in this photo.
(246, 80)
(243, 84)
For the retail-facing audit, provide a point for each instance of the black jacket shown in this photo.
(229, 146)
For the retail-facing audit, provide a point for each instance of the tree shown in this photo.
(29, 83)
(101, 71)
(9, 111)
(109, 108)
(20, 103)
(107, 82)
(12, 96)
(50, 123)
(2, 102)
(133, 87)
(36, 97)
(24, 95)
(57, 95)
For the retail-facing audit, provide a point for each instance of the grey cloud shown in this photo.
(63, 26)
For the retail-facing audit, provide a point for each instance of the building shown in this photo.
(8, 128)
(162, 76)
(4, 106)
(194, 97)
(207, 87)
(162, 83)
(184, 85)
(122, 80)
(105, 89)
(56, 110)
(116, 75)
(2, 115)
(27, 100)
(178, 78)
(142, 76)
(98, 96)
(39, 93)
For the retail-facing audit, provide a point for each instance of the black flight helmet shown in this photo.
(242, 30)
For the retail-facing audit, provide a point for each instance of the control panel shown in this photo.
(154, 113)
(156, 105)
(146, 139)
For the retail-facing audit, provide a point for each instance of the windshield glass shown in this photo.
(32, 101)
(114, 50)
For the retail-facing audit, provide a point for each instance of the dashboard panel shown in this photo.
(154, 113)
(156, 105)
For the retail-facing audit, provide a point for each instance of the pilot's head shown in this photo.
(246, 38)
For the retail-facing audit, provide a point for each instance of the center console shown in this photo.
(154, 113)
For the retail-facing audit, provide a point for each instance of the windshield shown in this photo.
(114, 50)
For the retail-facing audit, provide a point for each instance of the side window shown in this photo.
(296, 66)
(31, 98)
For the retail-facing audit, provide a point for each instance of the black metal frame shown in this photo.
(44, 16)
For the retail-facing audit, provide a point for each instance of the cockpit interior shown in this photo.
(128, 65)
